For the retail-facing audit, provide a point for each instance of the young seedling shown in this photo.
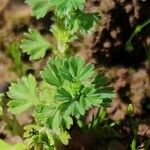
(69, 86)
(69, 89)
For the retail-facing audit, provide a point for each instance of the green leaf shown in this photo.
(75, 70)
(106, 92)
(64, 137)
(46, 93)
(35, 45)
(73, 108)
(82, 22)
(64, 7)
(5, 146)
(40, 8)
(100, 81)
(61, 35)
(70, 91)
(58, 120)
(41, 113)
(51, 74)
(89, 97)
(52, 115)
(22, 94)
(15, 53)
(63, 94)
(39, 137)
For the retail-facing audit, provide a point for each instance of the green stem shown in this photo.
(133, 144)
(135, 126)
(128, 45)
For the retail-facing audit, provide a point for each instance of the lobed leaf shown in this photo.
(106, 93)
(51, 74)
(75, 70)
(34, 45)
(82, 22)
(58, 120)
(22, 94)
(100, 81)
(63, 7)
(40, 8)
(62, 36)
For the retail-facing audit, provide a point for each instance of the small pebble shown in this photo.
(113, 34)
(128, 8)
(107, 44)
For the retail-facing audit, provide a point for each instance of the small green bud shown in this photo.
(130, 109)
